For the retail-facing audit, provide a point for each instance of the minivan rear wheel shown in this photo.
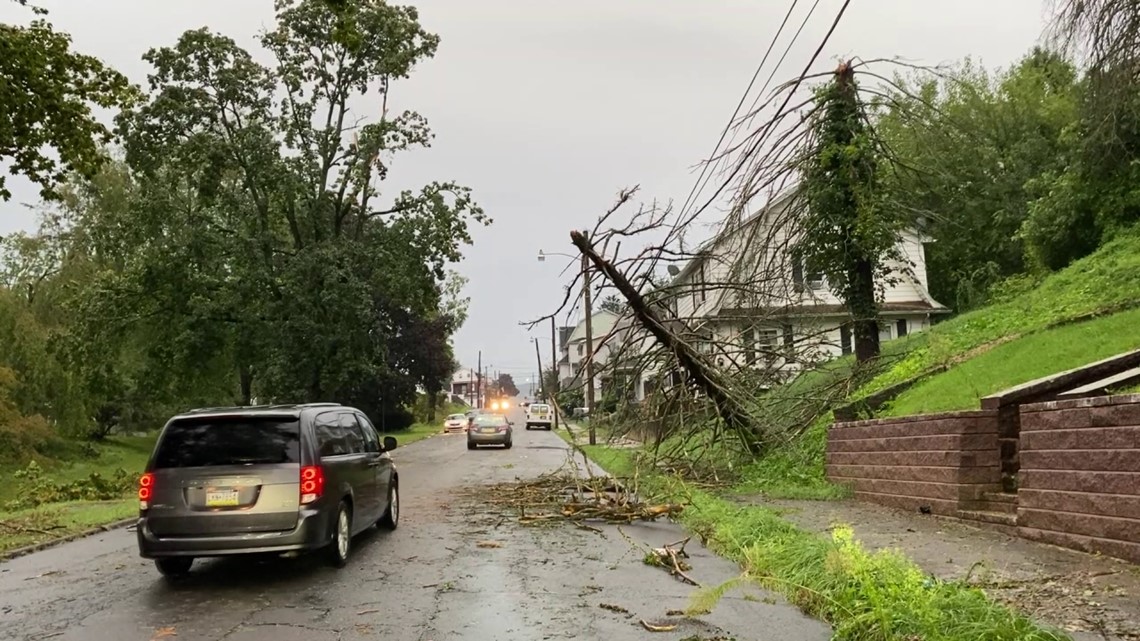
(342, 536)
(174, 567)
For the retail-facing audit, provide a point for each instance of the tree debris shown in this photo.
(658, 628)
(566, 496)
(672, 557)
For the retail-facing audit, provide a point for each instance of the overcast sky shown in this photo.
(547, 109)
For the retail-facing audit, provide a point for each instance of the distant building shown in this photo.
(465, 386)
(571, 363)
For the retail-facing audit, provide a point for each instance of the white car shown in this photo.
(455, 423)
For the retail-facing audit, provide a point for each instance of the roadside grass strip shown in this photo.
(864, 596)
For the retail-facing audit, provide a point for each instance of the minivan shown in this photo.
(280, 479)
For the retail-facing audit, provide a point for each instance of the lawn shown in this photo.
(127, 452)
(417, 432)
(1108, 280)
(27, 527)
(1019, 361)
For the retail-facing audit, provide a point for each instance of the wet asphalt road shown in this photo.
(427, 581)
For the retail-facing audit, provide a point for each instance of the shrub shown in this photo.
(35, 488)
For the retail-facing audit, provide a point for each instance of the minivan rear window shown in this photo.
(238, 440)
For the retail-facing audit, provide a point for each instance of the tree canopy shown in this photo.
(241, 247)
(47, 94)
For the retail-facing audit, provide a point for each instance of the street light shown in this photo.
(542, 255)
(589, 337)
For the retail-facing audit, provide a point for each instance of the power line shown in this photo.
(768, 82)
(739, 104)
(795, 86)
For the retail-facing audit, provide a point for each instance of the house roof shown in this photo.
(926, 304)
(603, 322)
(703, 248)
(464, 375)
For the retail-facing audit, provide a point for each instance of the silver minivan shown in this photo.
(279, 479)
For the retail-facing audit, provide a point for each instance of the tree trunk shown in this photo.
(432, 401)
(245, 379)
(864, 311)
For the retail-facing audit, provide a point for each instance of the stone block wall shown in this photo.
(1079, 478)
(944, 463)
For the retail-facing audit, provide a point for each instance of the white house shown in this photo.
(573, 357)
(747, 300)
(465, 386)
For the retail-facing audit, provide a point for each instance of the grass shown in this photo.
(27, 527)
(127, 452)
(1109, 279)
(417, 432)
(1019, 361)
(865, 596)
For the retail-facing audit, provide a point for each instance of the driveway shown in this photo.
(449, 572)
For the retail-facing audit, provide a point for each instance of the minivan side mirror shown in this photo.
(389, 443)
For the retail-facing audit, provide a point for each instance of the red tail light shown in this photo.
(312, 483)
(146, 490)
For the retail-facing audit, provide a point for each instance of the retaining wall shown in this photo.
(1079, 482)
(944, 463)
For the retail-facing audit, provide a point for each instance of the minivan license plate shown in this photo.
(225, 498)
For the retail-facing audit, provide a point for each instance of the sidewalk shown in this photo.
(581, 436)
(1092, 597)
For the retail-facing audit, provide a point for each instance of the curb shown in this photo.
(36, 547)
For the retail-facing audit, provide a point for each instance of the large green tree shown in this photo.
(260, 233)
(1095, 194)
(845, 231)
(970, 151)
(47, 94)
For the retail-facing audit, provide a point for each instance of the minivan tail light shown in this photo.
(312, 483)
(146, 490)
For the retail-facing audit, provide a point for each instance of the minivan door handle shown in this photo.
(375, 462)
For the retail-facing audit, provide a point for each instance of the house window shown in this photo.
(805, 274)
(768, 339)
(884, 332)
(901, 327)
(789, 342)
(581, 348)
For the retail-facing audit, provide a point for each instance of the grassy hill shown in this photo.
(1086, 312)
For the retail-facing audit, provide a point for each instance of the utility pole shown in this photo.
(538, 356)
(471, 387)
(479, 391)
(554, 371)
(589, 347)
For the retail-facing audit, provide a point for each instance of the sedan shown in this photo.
(455, 423)
(489, 429)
